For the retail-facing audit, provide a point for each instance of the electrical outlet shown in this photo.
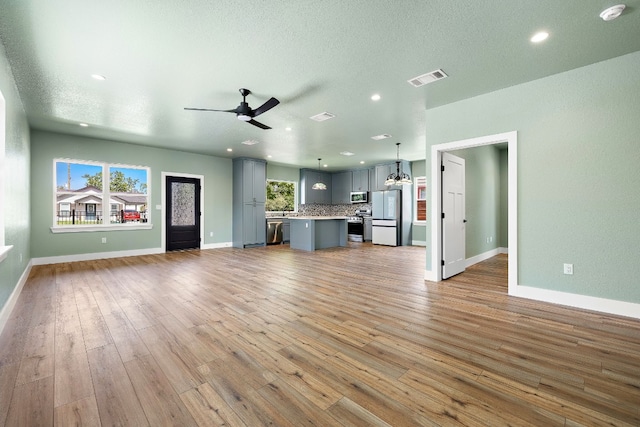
(568, 269)
(211, 234)
(20, 257)
(104, 240)
(491, 239)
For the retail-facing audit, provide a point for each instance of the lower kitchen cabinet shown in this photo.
(286, 231)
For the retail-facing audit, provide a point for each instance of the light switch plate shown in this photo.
(568, 269)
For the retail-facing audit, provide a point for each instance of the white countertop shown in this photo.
(318, 218)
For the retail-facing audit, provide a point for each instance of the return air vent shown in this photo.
(250, 142)
(427, 78)
(379, 137)
(322, 117)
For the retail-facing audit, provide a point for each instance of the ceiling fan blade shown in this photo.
(265, 107)
(208, 109)
(258, 124)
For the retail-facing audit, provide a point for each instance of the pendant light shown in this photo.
(319, 185)
(398, 178)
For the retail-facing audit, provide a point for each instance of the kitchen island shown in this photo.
(310, 233)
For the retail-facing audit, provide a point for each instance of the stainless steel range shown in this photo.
(355, 225)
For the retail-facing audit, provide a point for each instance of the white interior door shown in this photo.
(453, 221)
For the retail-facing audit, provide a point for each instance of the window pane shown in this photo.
(183, 203)
(281, 196)
(128, 180)
(77, 176)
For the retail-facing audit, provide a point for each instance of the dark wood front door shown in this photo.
(183, 213)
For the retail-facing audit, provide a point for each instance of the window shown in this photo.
(420, 199)
(90, 195)
(281, 196)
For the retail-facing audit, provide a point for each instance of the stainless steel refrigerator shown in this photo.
(391, 218)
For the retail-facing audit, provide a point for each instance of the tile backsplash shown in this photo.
(313, 209)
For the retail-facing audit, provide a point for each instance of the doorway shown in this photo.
(182, 225)
(509, 138)
(453, 215)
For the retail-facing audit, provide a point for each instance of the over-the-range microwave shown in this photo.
(359, 197)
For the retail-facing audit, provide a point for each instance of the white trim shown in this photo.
(4, 251)
(481, 257)
(93, 228)
(429, 275)
(3, 170)
(94, 256)
(511, 138)
(619, 308)
(217, 245)
(418, 243)
(5, 313)
(504, 250)
(163, 197)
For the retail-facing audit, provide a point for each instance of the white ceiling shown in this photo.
(162, 56)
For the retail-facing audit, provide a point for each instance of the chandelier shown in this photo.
(398, 178)
(319, 185)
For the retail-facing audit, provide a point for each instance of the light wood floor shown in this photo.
(341, 337)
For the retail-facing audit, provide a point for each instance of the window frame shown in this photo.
(295, 193)
(106, 195)
(419, 182)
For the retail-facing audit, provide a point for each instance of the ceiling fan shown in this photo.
(244, 112)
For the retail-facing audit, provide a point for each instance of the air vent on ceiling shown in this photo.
(427, 78)
(250, 142)
(379, 137)
(322, 117)
(347, 153)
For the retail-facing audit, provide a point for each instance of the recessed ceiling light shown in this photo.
(324, 166)
(269, 156)
(84, 125)
(379, 137)
(287, 128)
(229, 149)
(362, 162)
(346, 153)
(375, 97)
(98, 77)
(612, 13)
(539, 37)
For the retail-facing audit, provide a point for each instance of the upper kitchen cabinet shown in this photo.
(360, 180)
(341, 184)
(249, 196)
(382, 171)
(308, 195)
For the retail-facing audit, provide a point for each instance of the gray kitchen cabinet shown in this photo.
(286, 230)
(382, 171)
(367, 229)
(308, 195)
(360, 180)
(249, 195)
(341, 187)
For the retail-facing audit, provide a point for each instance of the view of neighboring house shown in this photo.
(84, 206)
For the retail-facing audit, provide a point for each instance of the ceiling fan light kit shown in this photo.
(612, 12)
(244, 112)
(399, 177)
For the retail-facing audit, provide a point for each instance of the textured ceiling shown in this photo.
(162, 56)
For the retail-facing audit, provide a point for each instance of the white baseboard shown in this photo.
(217, 245)
(418, 243)
(5, 313)
(603, 305)
(481, 257)
(430, 275)
(504, 250)
(94, 256)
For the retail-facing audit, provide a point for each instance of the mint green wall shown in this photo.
(578, 174)
(482, 198)
(283, 173)
(16, 184)
(46, 146)
(503, 235)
